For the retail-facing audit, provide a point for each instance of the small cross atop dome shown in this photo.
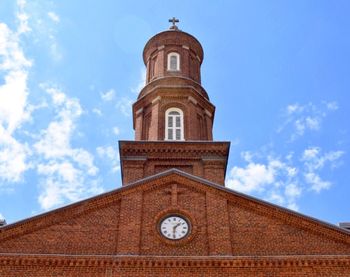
(174, 21)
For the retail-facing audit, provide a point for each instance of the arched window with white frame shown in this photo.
(173, 61)
(174, 127)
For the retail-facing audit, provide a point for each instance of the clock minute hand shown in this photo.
(177, 225)
(174, 228)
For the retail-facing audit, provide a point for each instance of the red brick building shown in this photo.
(173, 215)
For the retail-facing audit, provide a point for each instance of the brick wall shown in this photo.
(223, 223)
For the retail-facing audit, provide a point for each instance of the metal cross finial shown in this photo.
(174, 21)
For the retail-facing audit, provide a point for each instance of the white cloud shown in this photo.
(2, 217)
(306, 123)
(317, 184)
(14, 108)
(64, 181)
(315, 160)
(310, 153)
(65, 171)
(14, 92)
(299, 119)
(293, 190)
(254, 177)
(313, 123)
(85, 159)
(247, 156)
(13, 158)
(97, 111)
(13, 100)
(111, 154)
(283, 180)
(55, 50)
(22, 17)
(294, 108)
(108, 95)
(273, 180)
(293, 206)
(116, 131)
(55, 140)
(124, 106)
(332, 106)
(276, 198)
(53, 16)
(43, 24)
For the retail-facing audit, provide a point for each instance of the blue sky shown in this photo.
(277, 72)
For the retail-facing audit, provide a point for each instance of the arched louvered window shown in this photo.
(174, 127)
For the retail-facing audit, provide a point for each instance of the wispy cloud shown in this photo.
(314, 161)
(65, 173)
(44, 23)
(283, 180)
(13, 158)
(299, 119)
(14, 107)
(108, 95)
(286, 177)
(317, 184)
(116, 130)
(97, 111)
(124, 106)
(273, 178)
(22, 17)
(53, 16)
(112, 155)
(65, 170)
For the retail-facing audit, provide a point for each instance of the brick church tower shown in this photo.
(173, 116)
(173, 216)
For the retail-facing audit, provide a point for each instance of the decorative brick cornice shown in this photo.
(192, 147)
(16, 260)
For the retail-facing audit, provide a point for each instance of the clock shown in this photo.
(174, 227)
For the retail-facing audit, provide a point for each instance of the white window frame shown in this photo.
(174, 128)
(177, 55)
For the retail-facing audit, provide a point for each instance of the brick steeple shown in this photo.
(173, 59)
(172, 116)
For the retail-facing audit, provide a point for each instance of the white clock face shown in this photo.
(174, 227)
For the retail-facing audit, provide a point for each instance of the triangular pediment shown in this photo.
(125, 221)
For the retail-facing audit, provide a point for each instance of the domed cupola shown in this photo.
(173, 105)
(173, 53)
